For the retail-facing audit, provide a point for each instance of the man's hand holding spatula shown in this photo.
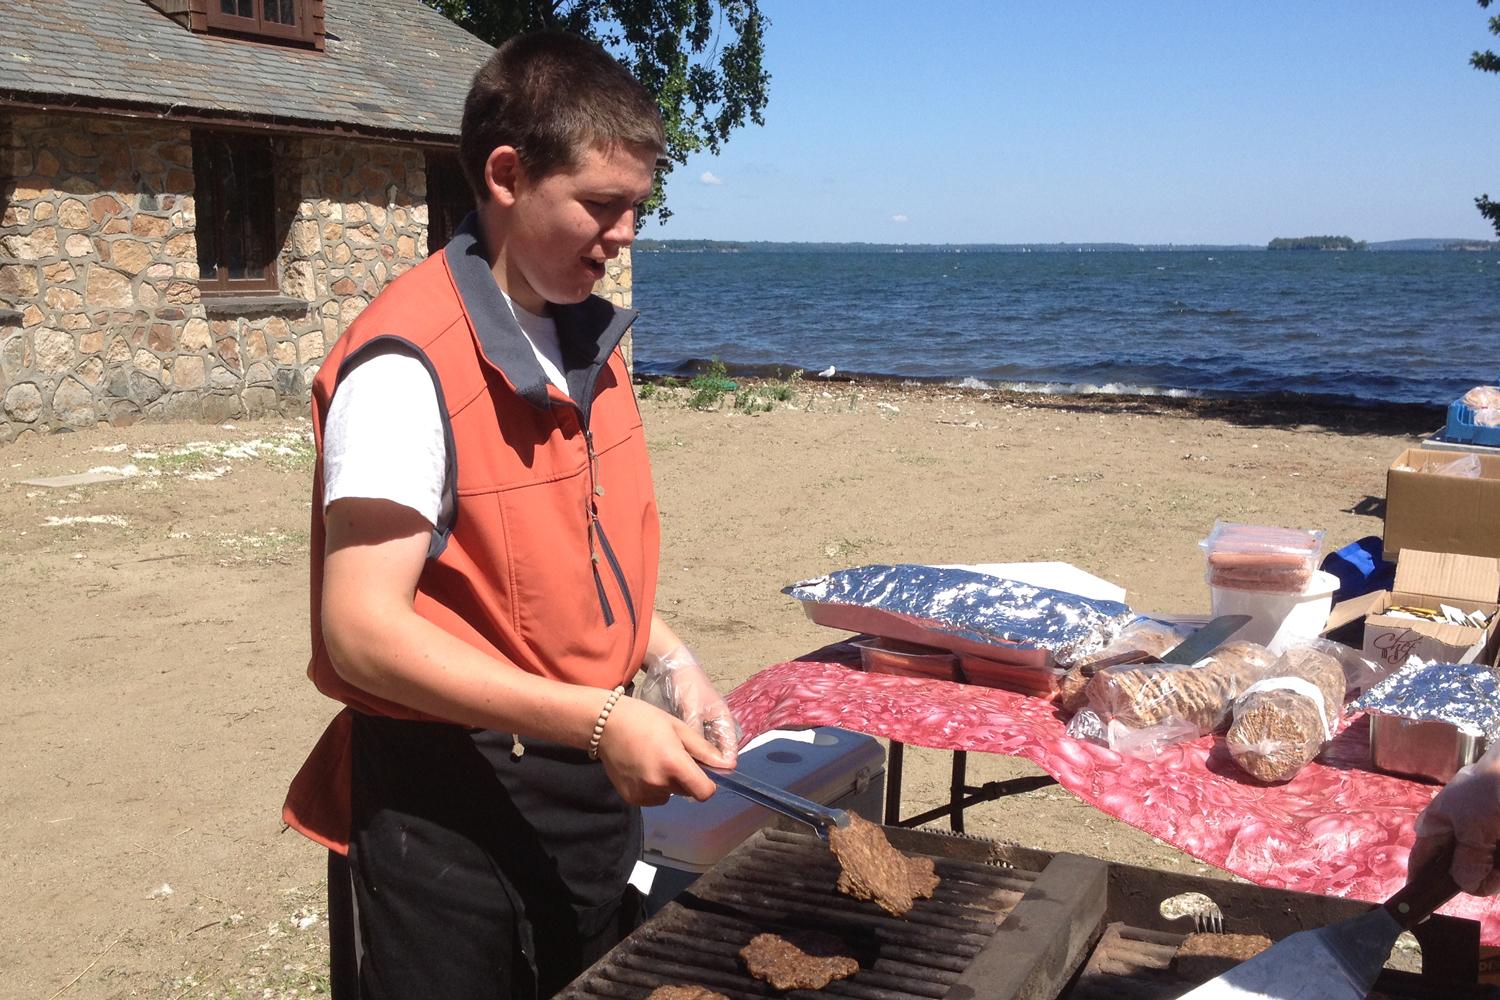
(1465, 817)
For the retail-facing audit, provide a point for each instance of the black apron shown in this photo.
(479, 873)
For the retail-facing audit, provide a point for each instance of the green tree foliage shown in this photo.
(703, 59)
(1315, 243)
(1488, 62)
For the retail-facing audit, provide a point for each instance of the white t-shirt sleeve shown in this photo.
(383, 438)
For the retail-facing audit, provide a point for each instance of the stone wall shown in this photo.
(616, 286)
(100, 315)
(99, 268)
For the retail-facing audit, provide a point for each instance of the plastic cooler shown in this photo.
(685, 838)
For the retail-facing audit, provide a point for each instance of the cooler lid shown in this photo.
(695, 835)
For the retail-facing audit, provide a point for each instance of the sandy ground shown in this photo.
(155, 633)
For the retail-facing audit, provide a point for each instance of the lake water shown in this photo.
(1365, 327)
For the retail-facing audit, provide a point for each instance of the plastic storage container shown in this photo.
(1462, 428)
(685, 838)
(1037, 681)
(1278, 621)
(1261, 557)
(892, 656)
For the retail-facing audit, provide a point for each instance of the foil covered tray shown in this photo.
(963, 611)
(1427, 721)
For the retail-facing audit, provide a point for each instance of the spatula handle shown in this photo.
(1426, 889)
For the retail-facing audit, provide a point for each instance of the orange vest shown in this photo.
(550, 558)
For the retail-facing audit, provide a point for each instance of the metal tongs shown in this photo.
(820, 817)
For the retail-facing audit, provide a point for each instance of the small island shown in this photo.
(1316, 243)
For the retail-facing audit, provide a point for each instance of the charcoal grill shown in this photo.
(1006, 923)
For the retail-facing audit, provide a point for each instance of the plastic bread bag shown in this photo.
(1146, 636)
(1261, 558)
(1139, 696)
(1360, 674)
(1487, 416)
(1146, 743)
(1466, 466)
(1482, 397)
(1283, 720)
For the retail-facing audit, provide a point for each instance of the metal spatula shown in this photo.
(820, 817)
(1340, 961)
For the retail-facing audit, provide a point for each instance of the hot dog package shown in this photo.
(1261, 558)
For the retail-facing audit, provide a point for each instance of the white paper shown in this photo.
(1054, 575)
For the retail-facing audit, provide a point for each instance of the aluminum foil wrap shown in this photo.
(1465, 695)
(964, 610)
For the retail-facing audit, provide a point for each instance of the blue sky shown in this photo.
(1027, 121)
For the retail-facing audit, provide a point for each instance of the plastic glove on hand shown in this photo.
(1467, 814)
(676, 682)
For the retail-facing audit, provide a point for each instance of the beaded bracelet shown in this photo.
(609, 706)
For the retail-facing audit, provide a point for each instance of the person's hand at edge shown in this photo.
(1465, 814)
(650, 755)
(676, 682)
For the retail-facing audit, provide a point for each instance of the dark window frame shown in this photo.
(257, 25)
(449, 199)
(212, 211)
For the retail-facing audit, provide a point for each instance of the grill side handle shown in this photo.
(1045, 938)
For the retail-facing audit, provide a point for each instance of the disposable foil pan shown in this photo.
(963, 611)
(1429, 720)
(1421, 748)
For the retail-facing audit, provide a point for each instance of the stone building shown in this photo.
(199, 195)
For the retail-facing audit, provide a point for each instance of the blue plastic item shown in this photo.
(1462, 428)
(1360, 568)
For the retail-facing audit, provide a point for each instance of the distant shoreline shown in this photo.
(1424, 245)
(1278, 409)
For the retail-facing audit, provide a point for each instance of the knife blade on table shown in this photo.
(1207, 639)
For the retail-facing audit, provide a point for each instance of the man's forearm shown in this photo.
(406, 659)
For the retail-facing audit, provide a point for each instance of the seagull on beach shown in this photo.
(827, 372)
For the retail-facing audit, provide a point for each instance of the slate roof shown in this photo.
(391, 67)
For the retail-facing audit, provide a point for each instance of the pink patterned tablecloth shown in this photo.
(1335, 829)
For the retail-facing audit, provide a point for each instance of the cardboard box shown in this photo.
(1425, 580)
(1434, 513)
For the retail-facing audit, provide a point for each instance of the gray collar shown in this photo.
(588, 331)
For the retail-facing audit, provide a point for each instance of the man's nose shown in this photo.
(622, 233)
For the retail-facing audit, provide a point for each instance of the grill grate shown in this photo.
(1133, 963)
(952, 947)
(784, 882)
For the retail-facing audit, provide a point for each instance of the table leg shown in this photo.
(893, 783)
(956, 789)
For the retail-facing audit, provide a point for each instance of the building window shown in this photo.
(234, 183)
(449, 199)
(292, 20)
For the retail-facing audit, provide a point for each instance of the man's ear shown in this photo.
(502, 175)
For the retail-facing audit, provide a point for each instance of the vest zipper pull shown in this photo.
(517, 748)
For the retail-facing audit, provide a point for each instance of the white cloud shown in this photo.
(900, 217)
(710, 178)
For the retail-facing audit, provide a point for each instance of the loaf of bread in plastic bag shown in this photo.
(1144, 635)
(1284, 719)
(1144, 695)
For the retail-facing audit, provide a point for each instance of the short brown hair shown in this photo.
(553, 96)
